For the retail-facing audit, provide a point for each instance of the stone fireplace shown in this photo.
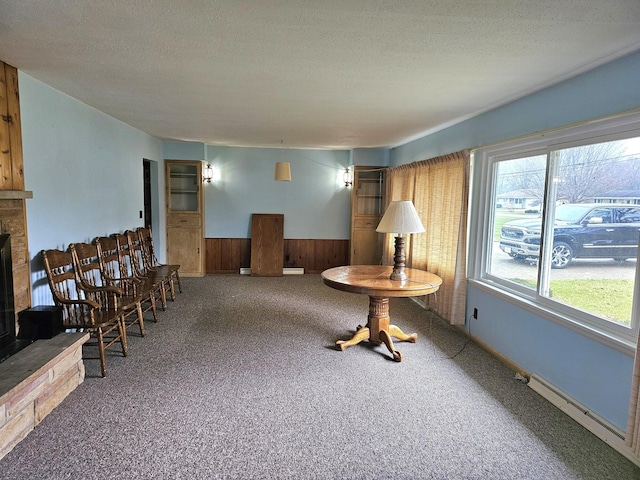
(37, 378)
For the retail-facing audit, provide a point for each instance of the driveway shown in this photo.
(504, 266)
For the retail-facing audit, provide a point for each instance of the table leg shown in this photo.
(395, 332)
(378, 329)
(362, 333)
(386, 339)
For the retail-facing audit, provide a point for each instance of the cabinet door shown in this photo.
(183, 190)
(184, 247)
(367, 203)
(366, 247)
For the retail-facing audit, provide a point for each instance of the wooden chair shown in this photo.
(109, 259)
(94, 309)
(140, 266)
(130, 267)
(87, 264)
(139, 250)
(151, 260)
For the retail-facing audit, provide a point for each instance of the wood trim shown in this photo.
(228, 255)
(13, 208)
(11, 166)
(15, 194)
(15, 127)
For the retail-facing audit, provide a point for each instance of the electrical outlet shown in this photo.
(475, 313)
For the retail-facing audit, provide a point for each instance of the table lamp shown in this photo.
(400, 217)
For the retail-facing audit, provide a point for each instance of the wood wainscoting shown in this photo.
(228, 255)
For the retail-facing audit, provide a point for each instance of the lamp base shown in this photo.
(398, 272)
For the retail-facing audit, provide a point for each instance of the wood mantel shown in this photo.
(15, 194)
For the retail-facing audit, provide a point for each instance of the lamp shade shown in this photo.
(400, 217)
(283, 172)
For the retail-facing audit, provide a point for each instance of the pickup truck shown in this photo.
(581, 230)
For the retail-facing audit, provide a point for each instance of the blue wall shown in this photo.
(610, 89)
(315, 204)
(596, 375)
(84, 169)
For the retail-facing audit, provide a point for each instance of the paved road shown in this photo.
(504, 266)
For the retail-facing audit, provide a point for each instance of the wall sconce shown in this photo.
(207, 173)
(347, 177)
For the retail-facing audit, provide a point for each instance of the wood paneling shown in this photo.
(228, 255)
(11, 166)
(315, 256)
(13, 214)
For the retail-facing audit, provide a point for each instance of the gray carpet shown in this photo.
(240, 379)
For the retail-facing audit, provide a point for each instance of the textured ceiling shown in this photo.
(309, 73)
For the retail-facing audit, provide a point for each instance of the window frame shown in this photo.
(482, 208)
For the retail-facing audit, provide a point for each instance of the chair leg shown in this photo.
(122, 328)
(178, 280)
(140, 318)
(163, 296)
(103, 361)
(154, 309)
(172, 289)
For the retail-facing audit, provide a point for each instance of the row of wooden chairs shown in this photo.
(107, 286)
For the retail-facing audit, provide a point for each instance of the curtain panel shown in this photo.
(439, 189)
(632, 437)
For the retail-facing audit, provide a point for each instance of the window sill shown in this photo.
(622, 345)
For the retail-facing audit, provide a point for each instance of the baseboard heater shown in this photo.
(602, 429)
(285, 271)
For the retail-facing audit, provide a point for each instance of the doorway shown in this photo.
(146, 176)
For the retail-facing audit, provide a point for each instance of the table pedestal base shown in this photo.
(378, 330)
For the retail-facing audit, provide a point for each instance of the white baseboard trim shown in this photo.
(293, 271)
(597, 425)
(285, 271)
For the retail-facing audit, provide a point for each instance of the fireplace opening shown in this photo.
(9, 344)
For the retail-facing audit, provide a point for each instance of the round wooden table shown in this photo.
(373, 280)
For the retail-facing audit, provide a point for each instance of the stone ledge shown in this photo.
(36, 380)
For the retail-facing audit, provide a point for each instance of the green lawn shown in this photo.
(611, 299)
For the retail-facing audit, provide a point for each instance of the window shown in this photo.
(558, 227)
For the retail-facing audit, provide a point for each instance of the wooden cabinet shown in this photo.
(367, 204)
(185, 216)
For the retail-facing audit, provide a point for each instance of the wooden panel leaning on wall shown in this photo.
(228, 255)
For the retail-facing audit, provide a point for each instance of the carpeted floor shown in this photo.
(240, 379)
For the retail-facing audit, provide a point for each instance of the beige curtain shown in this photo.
(632, 438)
(400, 186)
(439, 189)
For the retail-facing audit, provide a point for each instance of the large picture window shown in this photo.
(560, 221)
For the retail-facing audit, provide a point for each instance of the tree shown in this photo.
(590, 170)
